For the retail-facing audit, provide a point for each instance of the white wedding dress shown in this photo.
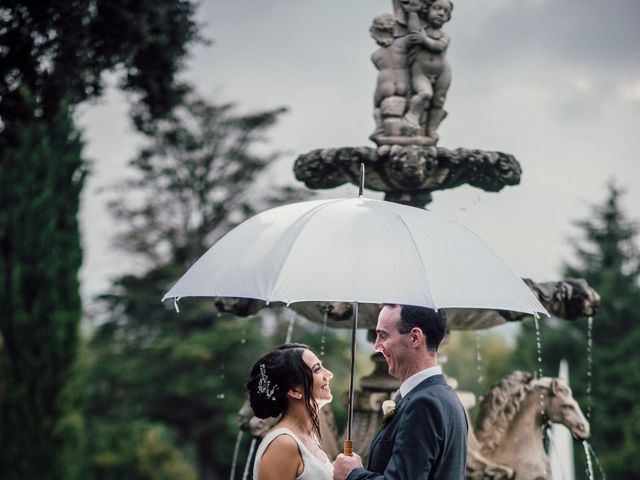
(314, 468)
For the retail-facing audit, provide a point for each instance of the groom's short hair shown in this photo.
(433, 324)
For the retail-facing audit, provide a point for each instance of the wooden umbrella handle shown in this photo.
(348, 448)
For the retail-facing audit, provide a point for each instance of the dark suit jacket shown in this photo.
(426, 439)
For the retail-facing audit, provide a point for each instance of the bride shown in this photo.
(292, 384)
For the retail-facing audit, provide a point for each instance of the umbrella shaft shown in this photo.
(353, 368)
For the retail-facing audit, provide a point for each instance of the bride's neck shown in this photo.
(300, 418)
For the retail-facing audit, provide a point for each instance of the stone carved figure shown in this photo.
(571, 298)
(392, 84)
(413, 72)
(512, 420)
(430, 71)
(480, 467)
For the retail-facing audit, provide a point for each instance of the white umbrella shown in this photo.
(356, 250)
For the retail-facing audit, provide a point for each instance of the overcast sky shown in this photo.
(554, 82)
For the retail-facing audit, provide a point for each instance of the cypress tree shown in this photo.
(40, 254)
(609, 260)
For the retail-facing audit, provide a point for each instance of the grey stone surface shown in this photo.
(568, 299)
(408, 174)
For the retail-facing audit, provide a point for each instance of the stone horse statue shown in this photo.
(511, 425)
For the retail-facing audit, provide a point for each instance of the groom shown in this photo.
(427, 436)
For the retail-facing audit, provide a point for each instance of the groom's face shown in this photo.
(393, 344)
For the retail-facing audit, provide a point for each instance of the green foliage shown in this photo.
(40, 180)
(60, 49)
(195, 180)
(191, 381)
(473, 374)
(159, 460)
(137, 450)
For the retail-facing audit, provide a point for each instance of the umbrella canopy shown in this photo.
(356, 249)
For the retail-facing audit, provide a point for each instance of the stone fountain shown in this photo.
(408, 166)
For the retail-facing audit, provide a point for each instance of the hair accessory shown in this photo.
(264, 385)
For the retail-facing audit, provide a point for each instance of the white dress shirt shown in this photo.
(413, 381)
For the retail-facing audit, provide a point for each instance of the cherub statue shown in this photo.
(428, 65)
(414, 74)
(392, 85)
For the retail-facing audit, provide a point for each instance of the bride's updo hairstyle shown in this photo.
(273, 375)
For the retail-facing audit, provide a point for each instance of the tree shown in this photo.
(609, 260)
(58, 51)
(189, 381)
(52, 57)
(607, 257)
(39, 260)
(195, 180)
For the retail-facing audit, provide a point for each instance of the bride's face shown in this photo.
(321, 377)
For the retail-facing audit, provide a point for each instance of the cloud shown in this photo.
(630, 90)
(593, 33)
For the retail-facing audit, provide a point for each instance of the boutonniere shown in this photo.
(388, 411)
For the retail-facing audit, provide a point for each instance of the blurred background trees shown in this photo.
(52, 57)
(192, 183)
